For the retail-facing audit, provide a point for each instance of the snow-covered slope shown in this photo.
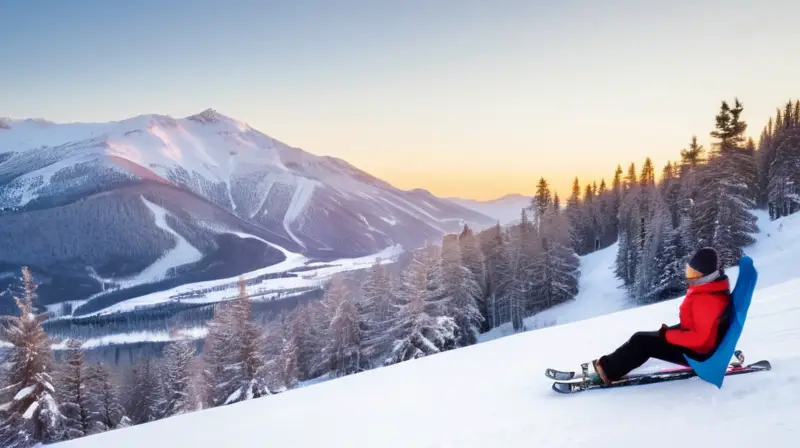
(153, 197)
(506, 209)
(495, 393)
(599, 292)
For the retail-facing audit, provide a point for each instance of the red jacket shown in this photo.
(700, 315)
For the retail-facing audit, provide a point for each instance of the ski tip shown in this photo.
(558, 375)
(763, 364)
(563, 388)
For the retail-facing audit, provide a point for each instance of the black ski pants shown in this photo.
(642, 346)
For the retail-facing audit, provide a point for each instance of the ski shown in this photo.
(566, 375)
(580, 384)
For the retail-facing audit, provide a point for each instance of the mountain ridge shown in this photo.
(201, 182)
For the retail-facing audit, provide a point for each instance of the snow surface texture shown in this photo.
(495, 394)
(506, 209)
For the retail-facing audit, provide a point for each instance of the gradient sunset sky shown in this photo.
(464, 98)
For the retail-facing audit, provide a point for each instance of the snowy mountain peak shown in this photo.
(191, 183)
(211, 116)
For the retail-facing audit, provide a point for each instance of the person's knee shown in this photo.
(641, 337)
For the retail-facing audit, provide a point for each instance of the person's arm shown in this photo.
(664, 328)
(697, 336)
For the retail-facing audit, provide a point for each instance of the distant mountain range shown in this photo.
(153, 202)
(506, 209)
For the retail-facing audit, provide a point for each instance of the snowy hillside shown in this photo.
(155, 200)
(506, 209)
(600, 292)
(495, 393)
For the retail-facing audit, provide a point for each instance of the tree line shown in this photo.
(704, 198)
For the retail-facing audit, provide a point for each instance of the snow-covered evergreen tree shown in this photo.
(473, 259)
(693, 161)
(779, 160)
(177, 375)
(219, 346)
(418, 327)
(498, 270)
(105, 395)
(561, 264)
(306, 327)
(33, 415)
(77, 403)
(287, 364)
(463, 291)
(344, 349)
(245, 364)
(522, 258)
(375, 310)
(631, 232)
(145, 394)
(669, 279)
(726, 197)
(658, 274)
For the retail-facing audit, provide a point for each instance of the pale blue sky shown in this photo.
(464, 98)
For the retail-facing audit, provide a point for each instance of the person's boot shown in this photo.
(599, 370)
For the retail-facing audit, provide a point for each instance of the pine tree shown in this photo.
(307, 327)
(561, 263)
(648, 177)
(724, 221)
(178, 357)
(105, 395)
(522, 257)
(765, 155)
(473, 259)
(145, 397)
(693, 156)
(235, 368)
(344, 349)
(376, 301)
(77, 404)
(630, 179)
(542, 201)
(219, 345)
(463, 293)
(418, 327)
(631, 223)
(658, 270)
(33, 415)
(498, 270)
(779, 162)
(246, 363)
(287, 364)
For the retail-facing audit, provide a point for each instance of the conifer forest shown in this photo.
(443, 296)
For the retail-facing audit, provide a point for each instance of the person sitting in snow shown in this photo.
(704, 318)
